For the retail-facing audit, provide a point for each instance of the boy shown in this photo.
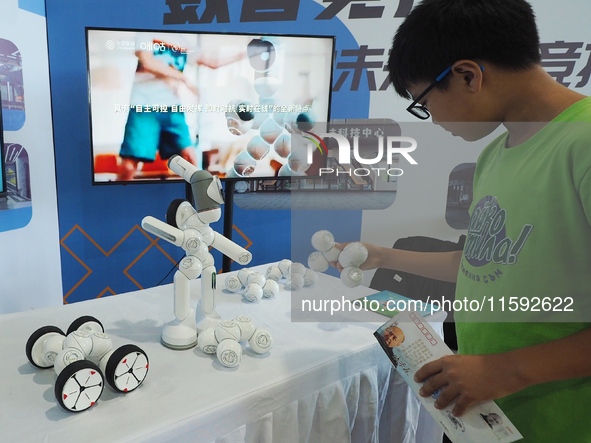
(472, 65)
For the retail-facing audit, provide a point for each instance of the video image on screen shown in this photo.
(3, 190)
(229, 103)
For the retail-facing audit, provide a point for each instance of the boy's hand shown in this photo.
(373, 256)
(467, 380)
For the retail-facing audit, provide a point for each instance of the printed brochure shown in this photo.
(410, 342)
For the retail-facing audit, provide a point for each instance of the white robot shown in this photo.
(188, 227)
(350, 258)
(83, 358)
(225, 340)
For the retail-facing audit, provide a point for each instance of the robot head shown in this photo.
(207, 195)
(206, 189)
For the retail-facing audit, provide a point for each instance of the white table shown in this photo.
(322, 382)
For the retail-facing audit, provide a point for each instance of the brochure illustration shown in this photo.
(410, 342)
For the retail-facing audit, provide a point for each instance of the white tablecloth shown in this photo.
(321, 382)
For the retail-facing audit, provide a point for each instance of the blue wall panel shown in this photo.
(104, 251)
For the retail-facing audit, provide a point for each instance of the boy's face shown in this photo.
(463, 108)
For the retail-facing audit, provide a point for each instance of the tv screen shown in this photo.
(229, 103)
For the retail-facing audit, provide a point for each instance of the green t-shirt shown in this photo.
(528, 249)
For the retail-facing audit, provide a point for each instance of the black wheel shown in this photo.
(34, 346)
(86, 323)
(79, 386)
(127, 368)
(171, 211)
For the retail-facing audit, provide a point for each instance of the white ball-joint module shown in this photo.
(225, 340)
(187, 227)
(83, 359)
(255, 286)
(350, 258)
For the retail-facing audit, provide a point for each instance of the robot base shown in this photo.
(180, 334)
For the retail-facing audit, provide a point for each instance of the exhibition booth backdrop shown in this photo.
(96, 248)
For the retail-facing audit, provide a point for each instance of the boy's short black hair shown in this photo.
(437, 33)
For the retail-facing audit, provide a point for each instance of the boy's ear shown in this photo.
(469, 72)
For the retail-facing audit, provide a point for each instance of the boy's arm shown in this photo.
(469, 379)
(436, 265)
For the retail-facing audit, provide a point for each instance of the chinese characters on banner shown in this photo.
(569, 62)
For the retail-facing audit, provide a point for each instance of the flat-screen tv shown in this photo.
(229, 103)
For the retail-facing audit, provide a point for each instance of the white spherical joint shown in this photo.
(294, 282)
(256, 277)
(206, 341)
(79, 340)
(186, 216)
(261, 341)
(192, 240)
(284, 265)
(310, 278)
(65, 357)
(274, 273)
(270, 289)
(323, 240)
(297, 268)
(101, 344)
(233, 283)
(226, 329)
(246, 326)
(317, 262)
(229, 353)
(243, 275)
(352, 276)
(191, 267)
(51, 347)
(253, 293)
(353, 255)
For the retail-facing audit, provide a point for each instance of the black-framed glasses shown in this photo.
(419, 110)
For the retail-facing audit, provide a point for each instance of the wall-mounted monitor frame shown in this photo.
(3, 184)
(233, 99)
